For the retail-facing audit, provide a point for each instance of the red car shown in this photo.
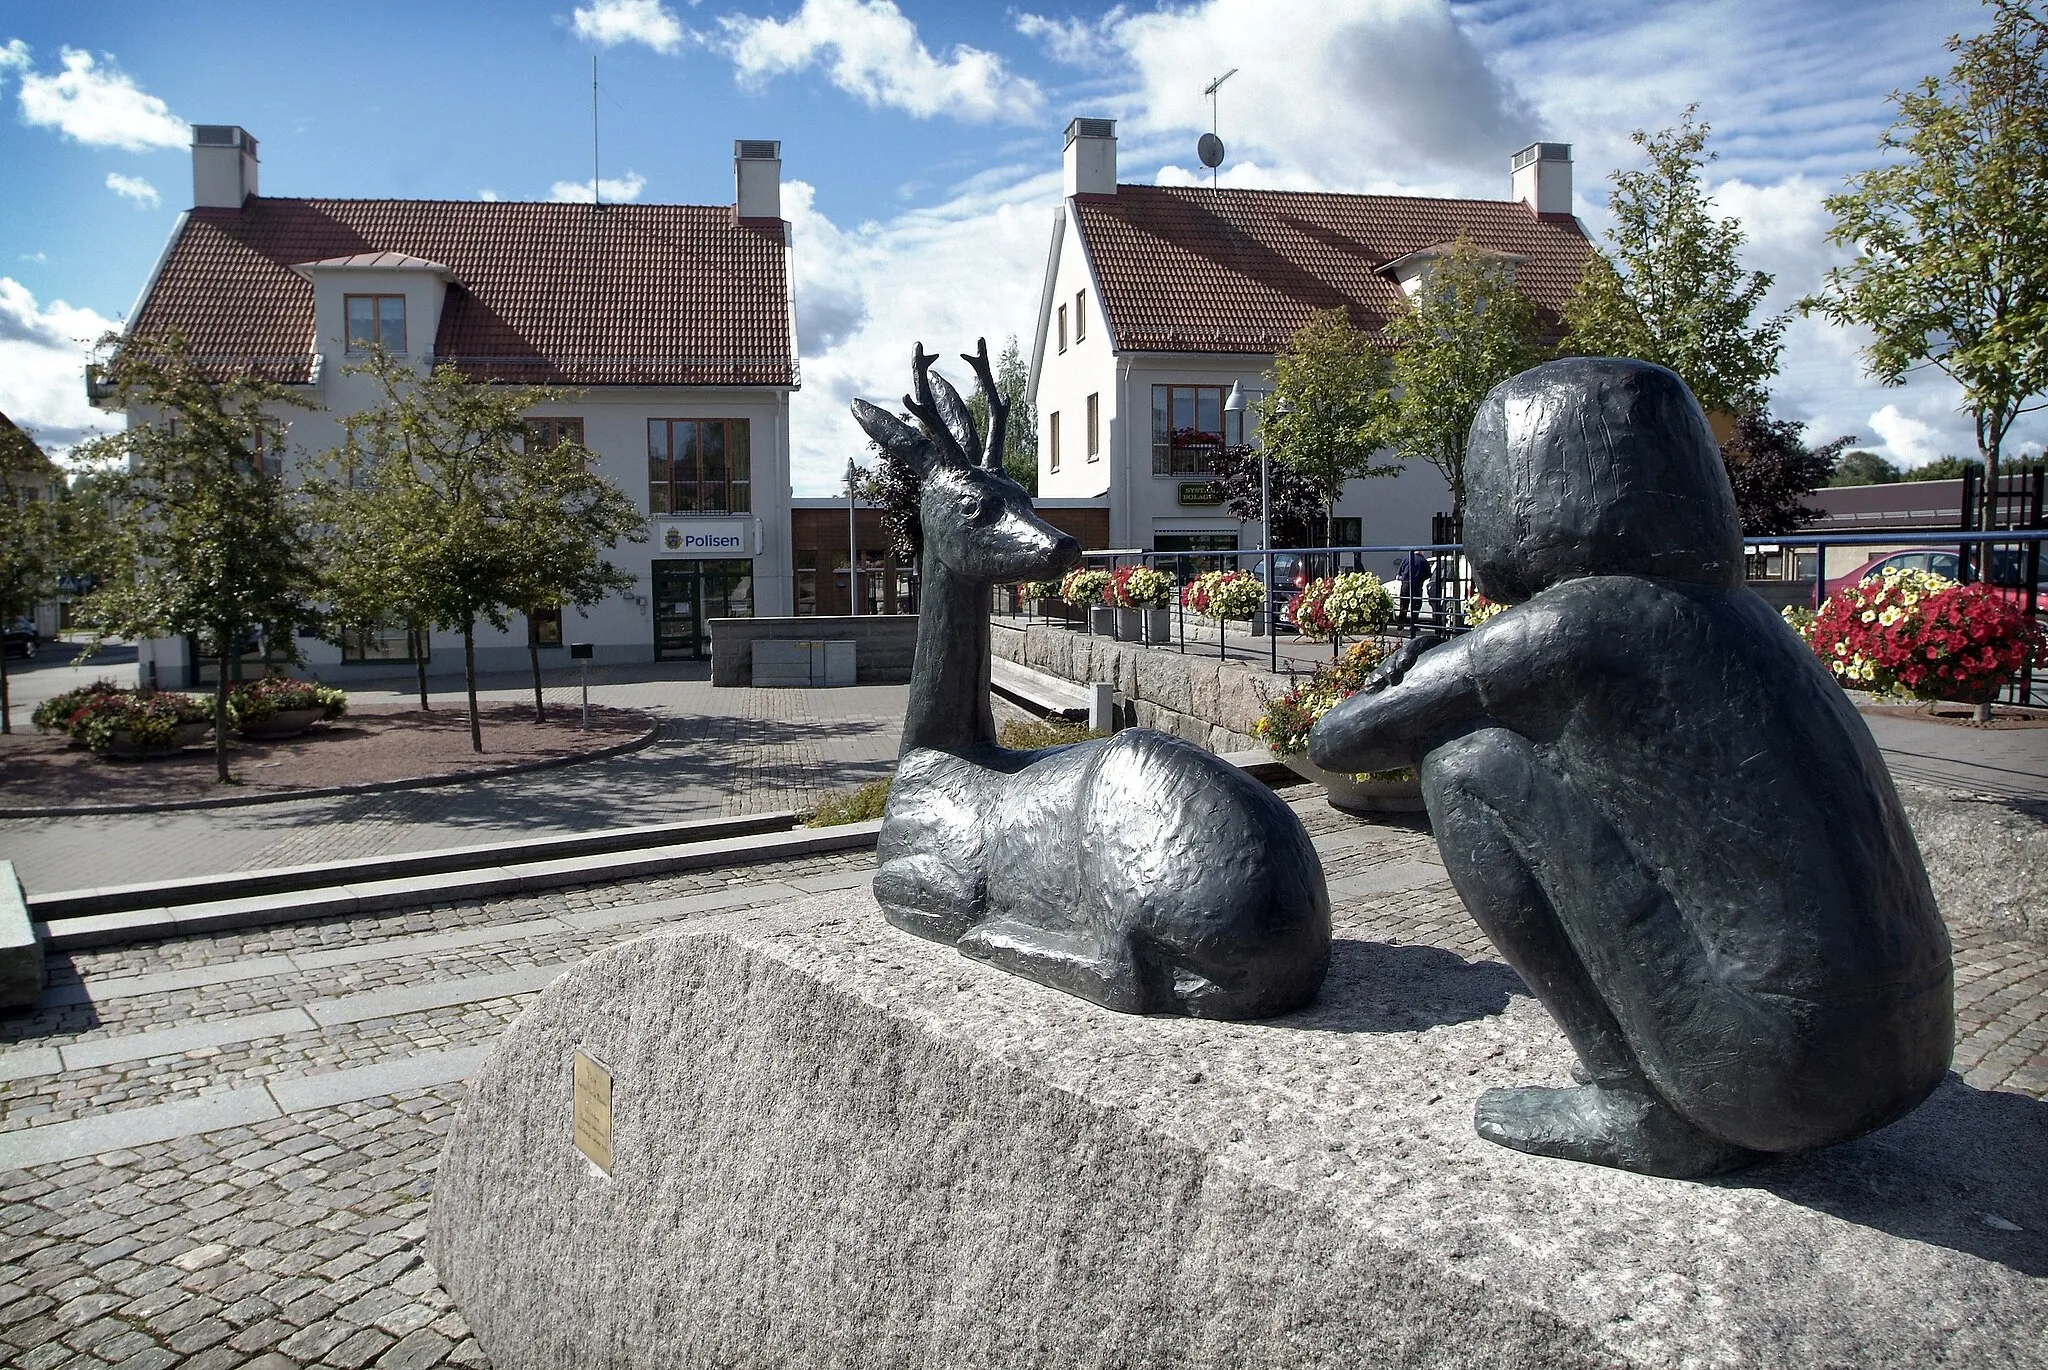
(2006, 569)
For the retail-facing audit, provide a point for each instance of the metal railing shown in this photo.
(1441, 607)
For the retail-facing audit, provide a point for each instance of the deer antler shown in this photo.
(998, 407)
(932, 412)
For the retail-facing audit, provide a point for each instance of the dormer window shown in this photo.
(375, 320)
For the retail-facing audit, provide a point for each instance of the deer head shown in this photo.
(978, 523)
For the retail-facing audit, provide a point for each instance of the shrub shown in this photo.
(1920, 635)
(1021, 736)
(868, 802)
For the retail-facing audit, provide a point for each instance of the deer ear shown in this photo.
(959, 421)
(896, 437)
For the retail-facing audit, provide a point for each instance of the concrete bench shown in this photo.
(22, 972)
(1039, 692)
(801, 664)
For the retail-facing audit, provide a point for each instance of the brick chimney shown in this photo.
(757, 179)
(223, 166)
(1091, 157)
(1542, 177)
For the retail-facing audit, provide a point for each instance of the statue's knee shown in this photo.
(1489, 765)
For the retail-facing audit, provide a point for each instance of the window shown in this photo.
(544, 626)
(1063, 328)
(1095, 427)
(1053, 432)
(269, 451)
(375, 320)
(1189, 427)
(547, 434)
(699, 466)
(383, 642)
(1080, 315)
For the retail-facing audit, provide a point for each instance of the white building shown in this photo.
(668, 325)
(1157, 299)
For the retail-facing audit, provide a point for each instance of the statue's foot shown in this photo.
(1606, 1125)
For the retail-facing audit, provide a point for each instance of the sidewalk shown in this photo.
(218, 1152)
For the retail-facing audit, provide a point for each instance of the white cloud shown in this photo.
(945, 276)
(614, 191)
(1076, 42)
(14, 54)
(95, 105)
(611, 22)
(487, 194)
(872, 52)
(133, 188)
(1909, 441)
(42, 366)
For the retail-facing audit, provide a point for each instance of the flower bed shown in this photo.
(1224, 595)
(108, 718)
(258, 701)
(1351, 605)
(1284, 725)
(1919, 635)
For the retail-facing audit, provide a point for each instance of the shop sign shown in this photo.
(708, 539)
(1200, 494)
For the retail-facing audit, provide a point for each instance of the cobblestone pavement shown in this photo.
(218, 1151)
(721, 752)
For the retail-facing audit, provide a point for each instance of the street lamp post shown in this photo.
(852, 542)
(1236, 403)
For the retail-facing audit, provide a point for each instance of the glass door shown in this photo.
(678, 589)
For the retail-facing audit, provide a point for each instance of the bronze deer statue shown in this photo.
(1137, 871)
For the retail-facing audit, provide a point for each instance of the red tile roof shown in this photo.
(1187, 269)
(540, 293)
(20, 451)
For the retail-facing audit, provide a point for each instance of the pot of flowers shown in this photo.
(1332, 608)
(1087, 587)
(1149, 593)
(1917, 635)
(1285, 723)
(132, 724)
(1224, 597)
(58, 713)
(1039, 597)
(278, 706)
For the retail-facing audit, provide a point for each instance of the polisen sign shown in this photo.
(711, 539)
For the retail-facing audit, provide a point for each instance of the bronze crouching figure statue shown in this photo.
(1655, 801)
(1138, 871)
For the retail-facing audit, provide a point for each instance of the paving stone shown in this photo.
(416, 1351)
(360, 1349)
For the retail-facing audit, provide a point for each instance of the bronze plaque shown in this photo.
(591, 1114)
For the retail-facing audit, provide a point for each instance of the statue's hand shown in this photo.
(1398, 665)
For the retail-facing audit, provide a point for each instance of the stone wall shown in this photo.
(1210, 702)
(884, 644)
(1987, 859)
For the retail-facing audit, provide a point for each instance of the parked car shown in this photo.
(20, 638)
(2007, 569)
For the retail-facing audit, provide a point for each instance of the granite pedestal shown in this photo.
(836, 1144)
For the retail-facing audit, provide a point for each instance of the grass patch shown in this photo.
(1020, 736)
(851, 806)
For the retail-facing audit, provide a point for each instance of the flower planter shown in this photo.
(283, 723)
(1129, 625)
(1102, 620)
(1158, 625)
(183, 735)
(1359, 796)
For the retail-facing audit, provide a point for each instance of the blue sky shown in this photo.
(921, 142)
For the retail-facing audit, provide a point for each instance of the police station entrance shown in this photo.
(688, 594)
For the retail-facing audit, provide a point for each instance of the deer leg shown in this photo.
(922, 894)
(1077, 961)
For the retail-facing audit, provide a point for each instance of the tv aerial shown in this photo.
(1210, 147)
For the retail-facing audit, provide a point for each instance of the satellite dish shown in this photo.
(1210, 150)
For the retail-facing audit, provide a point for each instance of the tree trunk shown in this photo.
(540, 712)
(220, 717)
(476, 728)
(418, 642)
(6, 701)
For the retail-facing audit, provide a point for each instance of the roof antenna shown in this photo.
(1210, 148)
(595, 203)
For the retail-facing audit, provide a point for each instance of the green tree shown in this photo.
(1945, 468)
(560, 516)
(29, 554)
(1951, 265)
(1467, 330)
(1319, 421)
(1863, 468)
(207, 541)
(1669, 288)
(1020, 442)
(470, 525)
